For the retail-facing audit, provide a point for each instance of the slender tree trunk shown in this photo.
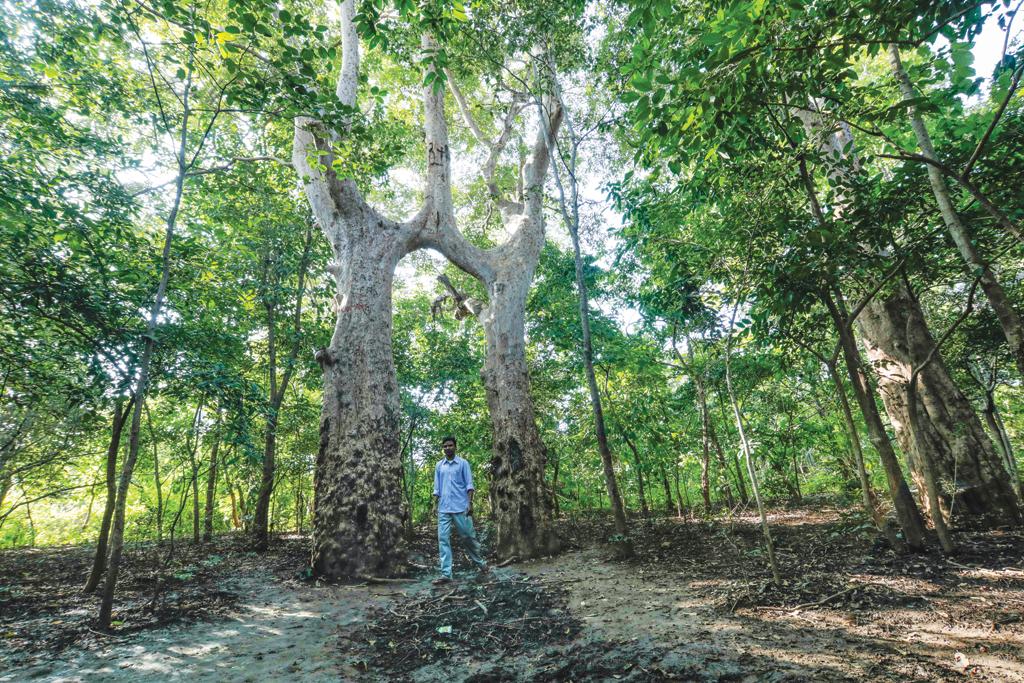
(99, 563)
(641, 486)
(1002, 440)
(748, 457)
(679, 493)
(668, 489)
(142, 383)
(907, 515)
(156, 479)
(261, 520)
(191, 447)
(709, 441)
(554, 487)
(716, 442)
(236, 523)
(868, 497)
(927, 467)
(571, 219)
(211, 483)
(705, 476)
(942, 426)
(1009, 319)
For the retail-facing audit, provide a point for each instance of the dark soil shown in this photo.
(502, 616)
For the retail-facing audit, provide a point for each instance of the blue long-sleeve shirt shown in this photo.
(453, 481)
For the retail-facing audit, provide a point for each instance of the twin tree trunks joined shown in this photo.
(359, 511)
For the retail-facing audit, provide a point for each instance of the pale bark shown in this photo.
(948, 434)
(519, 499)
(358, 509)
(748, 456)
(1009, 318)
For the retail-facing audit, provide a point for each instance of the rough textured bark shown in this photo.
(1009, 318)
(358, 509)
(963, 458)
(99, 563)
(521, 506)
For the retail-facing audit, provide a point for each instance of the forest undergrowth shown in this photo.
(697, 603)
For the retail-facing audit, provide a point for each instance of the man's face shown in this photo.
(449, 449)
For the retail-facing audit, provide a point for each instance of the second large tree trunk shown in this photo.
(962, 455)
(522, 508)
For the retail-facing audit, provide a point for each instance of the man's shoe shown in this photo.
(441, 580)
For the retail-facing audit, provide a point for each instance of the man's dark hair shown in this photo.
(449, 438)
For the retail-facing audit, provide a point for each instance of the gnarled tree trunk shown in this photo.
(962, 455)
(522, 508)
(358, 510)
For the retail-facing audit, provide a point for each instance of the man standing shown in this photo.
(453, 495)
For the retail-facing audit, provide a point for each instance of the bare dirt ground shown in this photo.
(695, 605)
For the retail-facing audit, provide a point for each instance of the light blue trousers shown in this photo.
(464, 525)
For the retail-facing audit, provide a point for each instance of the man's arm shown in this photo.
(437, 487)
(469, 487)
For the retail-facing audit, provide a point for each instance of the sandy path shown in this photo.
(279, 631)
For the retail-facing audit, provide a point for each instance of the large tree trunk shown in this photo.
(522, 508)
(520, 504)
(99, 563)
(358, 509)
(963, 458)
